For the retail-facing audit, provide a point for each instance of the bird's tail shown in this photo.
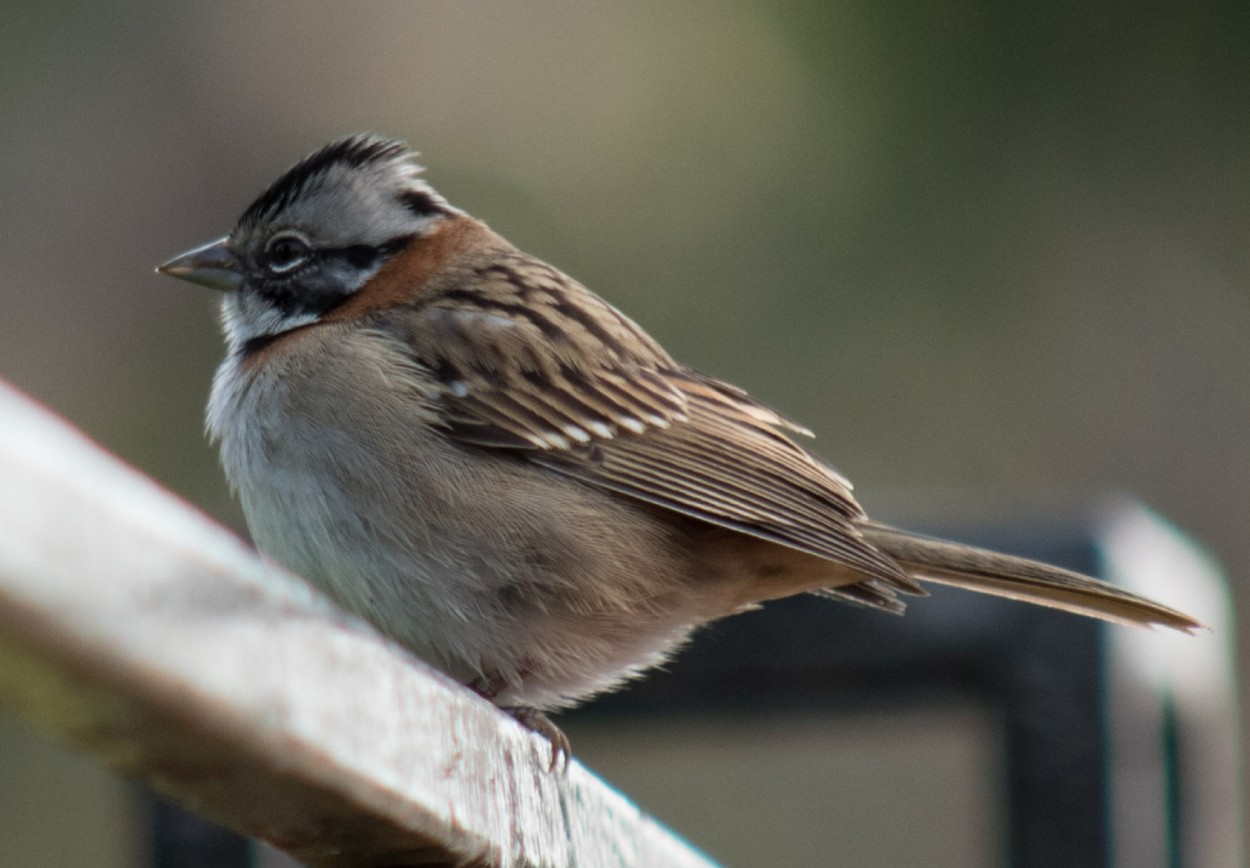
(947, 563)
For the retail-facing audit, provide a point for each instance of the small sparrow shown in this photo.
(464, 446)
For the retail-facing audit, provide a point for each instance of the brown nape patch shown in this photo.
(407, 275)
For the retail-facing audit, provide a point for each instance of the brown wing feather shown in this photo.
(737, 474)
(531, 361)
(523, 367)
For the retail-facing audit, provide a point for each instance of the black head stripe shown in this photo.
(354, 151)
(420, 203)
(364, 257)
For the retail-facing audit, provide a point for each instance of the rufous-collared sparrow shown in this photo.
(467, 448)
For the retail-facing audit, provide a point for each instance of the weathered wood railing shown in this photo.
(134, 628)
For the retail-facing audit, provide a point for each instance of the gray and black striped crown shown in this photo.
(358, 151)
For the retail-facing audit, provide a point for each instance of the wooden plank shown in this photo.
(133, 627)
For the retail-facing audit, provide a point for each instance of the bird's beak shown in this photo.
(213, 265)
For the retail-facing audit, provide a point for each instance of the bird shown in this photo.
(465, 447)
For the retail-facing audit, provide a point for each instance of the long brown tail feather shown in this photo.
(988, 572)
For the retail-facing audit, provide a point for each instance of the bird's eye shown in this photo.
(285, 252)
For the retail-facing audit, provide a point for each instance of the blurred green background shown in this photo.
(995, 254)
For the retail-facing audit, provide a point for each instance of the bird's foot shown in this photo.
(537, 722)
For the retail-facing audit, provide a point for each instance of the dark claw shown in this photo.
(537, 722)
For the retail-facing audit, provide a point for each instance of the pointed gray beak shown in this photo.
(213, 265)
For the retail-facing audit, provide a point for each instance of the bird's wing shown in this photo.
(555, 374)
